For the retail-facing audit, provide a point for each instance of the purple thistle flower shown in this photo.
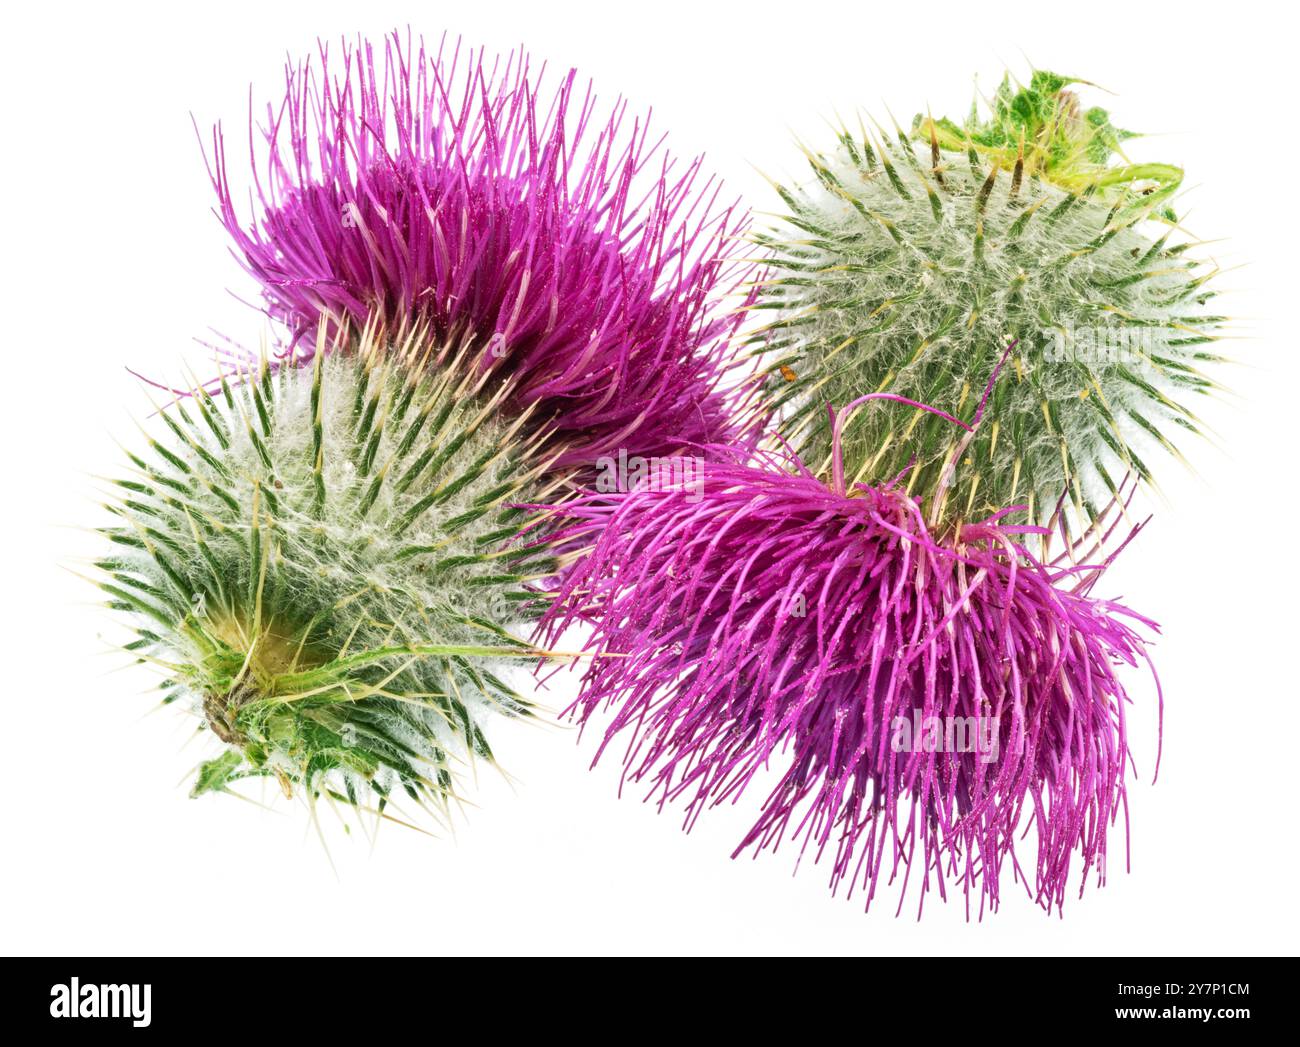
(765, 619)
(453, 192)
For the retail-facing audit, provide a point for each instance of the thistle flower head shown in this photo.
(319, 561)
(768, 621)
(458, 192)
(907, 269)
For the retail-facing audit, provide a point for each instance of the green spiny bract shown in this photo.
(321, 561)
(909, 270)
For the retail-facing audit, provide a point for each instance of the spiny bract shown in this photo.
(321, 562)
(910, 271)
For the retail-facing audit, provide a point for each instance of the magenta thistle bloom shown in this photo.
(455, 192)
(764, 620)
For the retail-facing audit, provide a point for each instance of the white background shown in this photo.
(111, 257)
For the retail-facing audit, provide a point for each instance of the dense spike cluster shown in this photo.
(320, 561)
(908, 271)
(766, 620)
(569, 249)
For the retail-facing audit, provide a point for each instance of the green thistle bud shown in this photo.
(320, 560)
(908, 268)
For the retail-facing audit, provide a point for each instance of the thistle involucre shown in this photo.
(768, 621)
(908, 269)
(320, 561)
(566, 246)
